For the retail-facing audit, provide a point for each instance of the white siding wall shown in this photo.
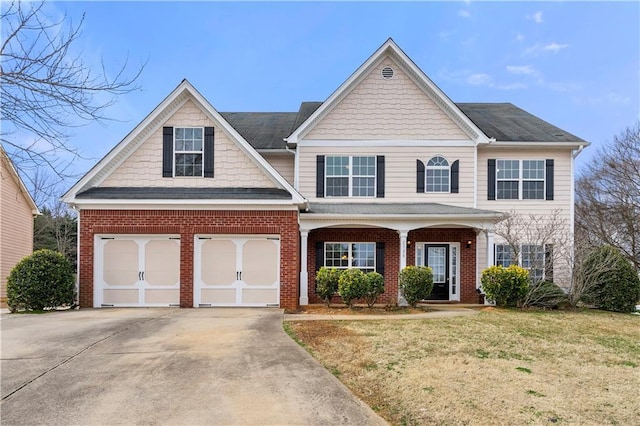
(400, 172)
(232, 168)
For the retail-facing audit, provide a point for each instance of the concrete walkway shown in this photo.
(166, 366)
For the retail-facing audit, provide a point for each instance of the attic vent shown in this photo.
(387, 73)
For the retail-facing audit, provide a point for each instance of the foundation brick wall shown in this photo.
(187, 223)
(467, 255)
(356, 235)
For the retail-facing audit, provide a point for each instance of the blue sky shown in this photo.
(576, 65)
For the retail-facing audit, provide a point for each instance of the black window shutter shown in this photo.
(380, 176)
(208, 152)
(548, 262)
(455, 179)
(549, 180)
(320, 176)
(380, 258)
(167, 152)
(319, 255)
(419, 176)
(491, 179)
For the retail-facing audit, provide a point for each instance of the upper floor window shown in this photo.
(438, 174)
(520, 179)
(188, 151)
(350, 255)
(350, 176)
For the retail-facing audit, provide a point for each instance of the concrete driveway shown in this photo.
(166, 366)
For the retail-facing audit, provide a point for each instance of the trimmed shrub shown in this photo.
(505, 286)
(351, 285)
(617, 285)
(416, 283)
(545, 294)
(41, 280)
(374, 287)
(327, 283)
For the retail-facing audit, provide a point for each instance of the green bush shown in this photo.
(505, 286)
(617, 284)
(327, 283)
(416, 283)
(545, 294)
(351, 285)
(40, 281)
(374, 287)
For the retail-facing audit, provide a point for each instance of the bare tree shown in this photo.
(47, 89)
(608, 196)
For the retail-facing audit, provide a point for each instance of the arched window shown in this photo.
(438, 173)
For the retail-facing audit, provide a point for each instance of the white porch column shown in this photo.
(403, 263)
(304, 276)
(490, 251)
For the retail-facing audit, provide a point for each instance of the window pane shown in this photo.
(179, 133)
(504, 255)
(197, 133)
(337, 187)
(438, 161)
(507, 190)
(533, 190)
(364, 166)
(508, 169)
(437, 180)
(337, 166)
(188, 165)
(363, 187)
(188, 133)
(336, 255)
(533, 169)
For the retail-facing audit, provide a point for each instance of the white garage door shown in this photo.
(236, 271)
(136, 270)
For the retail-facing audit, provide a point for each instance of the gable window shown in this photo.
(350, 255)
(188, 151)
(520, 179)
(350, 176)
(438, 173)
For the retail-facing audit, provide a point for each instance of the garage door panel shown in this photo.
(122, 297)
(161, 297)
(222, 296)
(120, 260)
(259, 297)
(260, 262)
(218, 262)
(162, 262)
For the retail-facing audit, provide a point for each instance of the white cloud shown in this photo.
(464, 14)
(522, 70)
(536, 17)
(555, 47)
(480, 79)
(519, 37)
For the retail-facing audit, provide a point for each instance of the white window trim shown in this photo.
(175, 151)
(426, 174)
(521, 179)
(350, 255)
(350, 177)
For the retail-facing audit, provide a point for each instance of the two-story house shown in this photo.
(197, 207)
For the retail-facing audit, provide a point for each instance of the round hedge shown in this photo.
(40, 281)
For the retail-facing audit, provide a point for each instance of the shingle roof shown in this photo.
(160, 193)
(428, 209)
(508, 123)
(503, 121)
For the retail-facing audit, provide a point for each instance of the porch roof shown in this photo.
(396, 209)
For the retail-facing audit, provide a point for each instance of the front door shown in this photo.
(437, 258)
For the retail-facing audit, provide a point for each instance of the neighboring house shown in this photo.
(201, 208)
(17, 210)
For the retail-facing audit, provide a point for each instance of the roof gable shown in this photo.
(389, 50)
(8, 165)
(183, 94)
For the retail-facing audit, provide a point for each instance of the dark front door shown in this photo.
(437, 258)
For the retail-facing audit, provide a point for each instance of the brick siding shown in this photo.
(187, 223)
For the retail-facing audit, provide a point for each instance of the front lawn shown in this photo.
(498, 367)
